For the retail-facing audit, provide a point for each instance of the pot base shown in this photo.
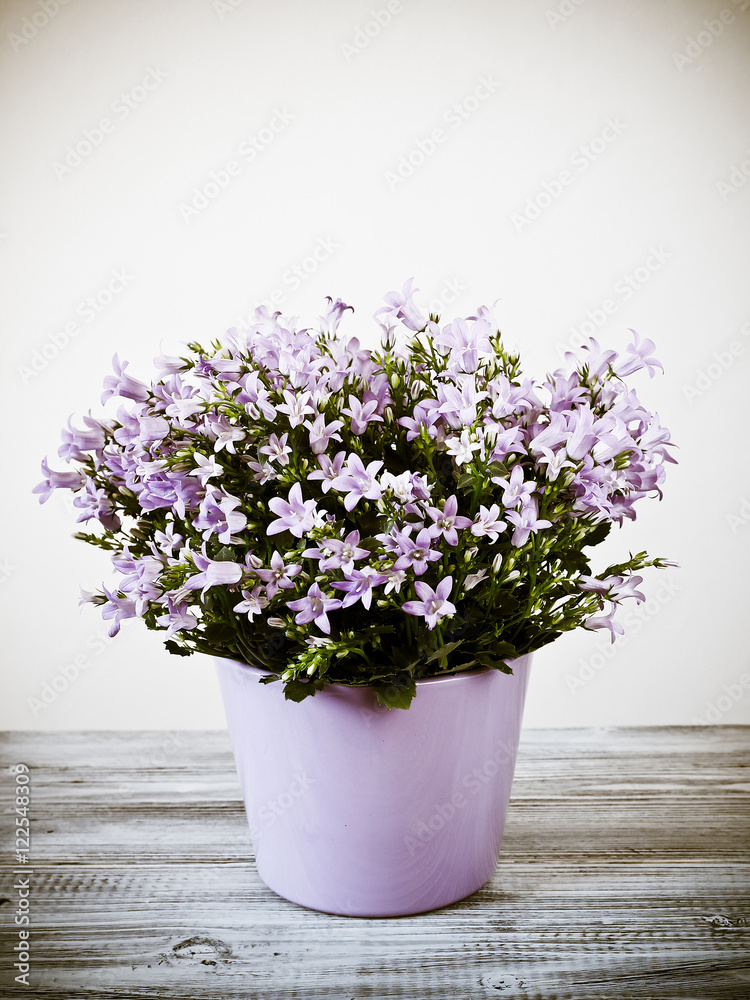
(359, 810)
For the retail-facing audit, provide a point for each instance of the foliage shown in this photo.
(334, 514)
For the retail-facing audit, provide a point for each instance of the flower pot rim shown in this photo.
(441, 678)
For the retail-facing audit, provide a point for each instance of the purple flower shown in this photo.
(296, 407)
(636, 357)
(330, 320)
(425, 414)
(420, 486)
(401, 305)
(314, 608)
(321, 433)
(177, 618)
(57, 481)
(525, 522)
(607, 621)
(433, 604)
(357, 481)
(597, 361)
(116, 609)
(447, 520)
(152, 428)
(515, 490)
(504, 442)
(548, 436)
(295, 514)
(94, 502)
(277, 449)
(459, 405)
(140, 581)
(166, 541)
(206, 469)
(217, 515)
(361, 414)
(465, 342)
(487, 522)
(278, 576)
(253, 602)
(555, 461)
(581, 434)
(616, 587)
(262, 473)
(212, 572)
(122, 384)
(329, 469)
(416, 553)
(335, 553)
(77, 442)
(167, 364)
(358, 585)
(130, 425)
(223, 433)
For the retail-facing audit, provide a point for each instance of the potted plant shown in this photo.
(371, 544)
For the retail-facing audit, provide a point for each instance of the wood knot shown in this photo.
(721, 920)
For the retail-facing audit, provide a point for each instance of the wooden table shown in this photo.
(625, 873)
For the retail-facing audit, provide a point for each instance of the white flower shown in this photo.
(462, 449)
(474, 578)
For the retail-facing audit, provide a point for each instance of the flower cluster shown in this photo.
(336, 514)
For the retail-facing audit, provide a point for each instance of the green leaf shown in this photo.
(172, 647)
(369, 522)
(226, 554)
(497, 469)
(269, 678)
(299, 690)
(441, 653)
(506, 605)
(218, 634)
(542, 639)
(396, 695)
(598, 535)
(505, 650)
(487, 660)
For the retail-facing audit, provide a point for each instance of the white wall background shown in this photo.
(653, 218)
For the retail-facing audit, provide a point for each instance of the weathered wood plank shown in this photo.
(625, 872)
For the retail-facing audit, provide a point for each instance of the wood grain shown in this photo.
(625, 873)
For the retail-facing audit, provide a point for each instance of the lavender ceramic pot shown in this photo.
(367, 811)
